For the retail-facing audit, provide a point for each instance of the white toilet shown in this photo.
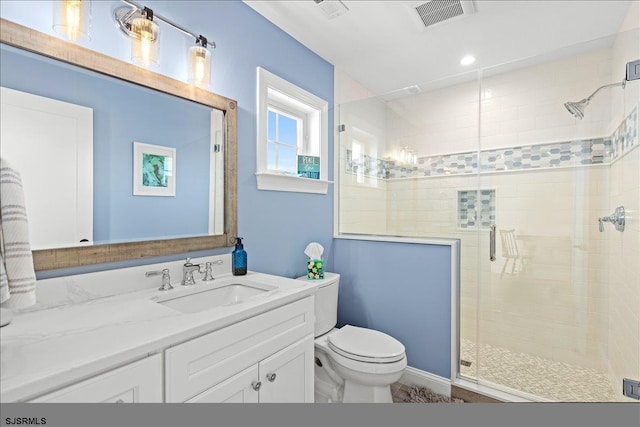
(352, 364)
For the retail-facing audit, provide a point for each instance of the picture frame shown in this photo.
(154, 170)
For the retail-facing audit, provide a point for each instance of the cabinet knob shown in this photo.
(271, 377)
(256, 385)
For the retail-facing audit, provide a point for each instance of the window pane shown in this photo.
(271, 126)
(288, 130)
(287, 159)
(271, 156)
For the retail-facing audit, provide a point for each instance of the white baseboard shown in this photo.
(436, 383)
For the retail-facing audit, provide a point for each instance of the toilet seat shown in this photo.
(365, 345)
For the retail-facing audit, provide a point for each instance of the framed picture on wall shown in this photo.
(154, 170)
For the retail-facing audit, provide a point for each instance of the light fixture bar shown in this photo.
(198, 37)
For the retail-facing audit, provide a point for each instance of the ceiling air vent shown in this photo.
(332, 8)
(436, 11)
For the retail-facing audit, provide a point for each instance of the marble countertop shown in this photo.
(45, 349)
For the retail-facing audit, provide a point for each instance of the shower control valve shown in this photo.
(617, 219)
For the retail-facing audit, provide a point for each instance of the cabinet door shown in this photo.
(201, 363)
(240, 388)
(287, 376)
(139, 381)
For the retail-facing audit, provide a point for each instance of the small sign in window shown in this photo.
(309, 167)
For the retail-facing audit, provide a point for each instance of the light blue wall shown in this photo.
(276, 226)
(401, 289)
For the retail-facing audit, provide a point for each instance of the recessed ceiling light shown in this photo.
(467, 60)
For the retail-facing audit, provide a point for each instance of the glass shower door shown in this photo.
(558, 305)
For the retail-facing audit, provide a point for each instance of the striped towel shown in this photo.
(17, 276)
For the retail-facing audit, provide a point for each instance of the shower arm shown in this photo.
(622, 83)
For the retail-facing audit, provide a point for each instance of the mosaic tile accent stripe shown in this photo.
(474, 212)
(595, 151)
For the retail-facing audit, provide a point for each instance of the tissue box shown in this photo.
(315, 269)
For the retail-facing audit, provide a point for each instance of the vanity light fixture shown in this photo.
(144, 39)
(200, 63)
(138, 22)
(72, 19)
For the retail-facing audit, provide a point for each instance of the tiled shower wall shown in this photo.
(560, 308)
(553, 308)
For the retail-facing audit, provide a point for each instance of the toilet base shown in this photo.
(358, 393)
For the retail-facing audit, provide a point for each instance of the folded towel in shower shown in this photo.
(15, 251)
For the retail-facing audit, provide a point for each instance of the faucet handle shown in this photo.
(166, 278)
(208, 275)
(187, 262)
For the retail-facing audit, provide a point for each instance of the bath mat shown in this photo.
(417, 394)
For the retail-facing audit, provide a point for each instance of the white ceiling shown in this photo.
(379, 44)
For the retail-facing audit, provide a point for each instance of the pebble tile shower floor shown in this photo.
(542, 377)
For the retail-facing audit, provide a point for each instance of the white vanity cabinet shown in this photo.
(285, 377)
(139, 381)
(235, 363)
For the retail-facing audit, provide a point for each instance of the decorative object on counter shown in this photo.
(17, 276)
(239, 259)
(315, 269)
(315, 264)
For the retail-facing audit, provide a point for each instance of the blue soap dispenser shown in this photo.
(239, 259)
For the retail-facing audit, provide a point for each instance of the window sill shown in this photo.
(277, 182)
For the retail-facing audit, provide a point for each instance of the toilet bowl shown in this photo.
(366, 361)
(353, 364)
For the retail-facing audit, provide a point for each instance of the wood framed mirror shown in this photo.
(35, 42)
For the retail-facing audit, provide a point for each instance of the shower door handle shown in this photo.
(492, 242)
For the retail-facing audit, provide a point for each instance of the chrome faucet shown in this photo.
(188, 269)
(166, 278)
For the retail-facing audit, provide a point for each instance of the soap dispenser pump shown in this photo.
(239, 259)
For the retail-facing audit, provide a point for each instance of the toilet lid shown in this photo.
(366, 345)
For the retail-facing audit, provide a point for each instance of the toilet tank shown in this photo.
(326, 302)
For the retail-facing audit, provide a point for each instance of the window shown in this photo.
(292, 132)
(284, 141)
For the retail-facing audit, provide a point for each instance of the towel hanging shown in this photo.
(15, 250)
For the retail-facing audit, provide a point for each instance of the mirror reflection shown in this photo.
(104, 160)
(128, 163)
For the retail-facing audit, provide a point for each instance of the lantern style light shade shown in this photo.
(199, 66)
(144, 42)
(72, 19)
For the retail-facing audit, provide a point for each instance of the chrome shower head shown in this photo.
(577, 108)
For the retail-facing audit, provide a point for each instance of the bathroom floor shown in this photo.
(399, 392)
(542, 377)
(402, 393)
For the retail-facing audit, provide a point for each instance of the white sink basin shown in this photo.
(222, 294)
